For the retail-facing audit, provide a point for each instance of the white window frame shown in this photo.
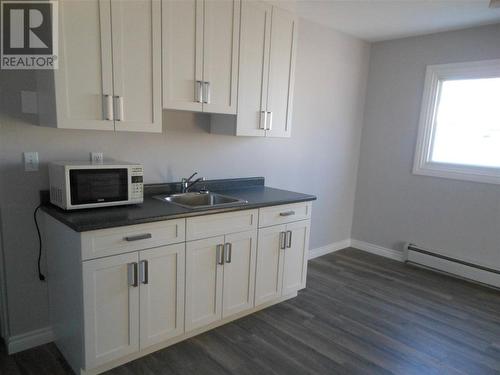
(435, 74)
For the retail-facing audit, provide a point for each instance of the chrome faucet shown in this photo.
(186, 183)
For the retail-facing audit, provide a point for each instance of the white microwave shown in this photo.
(77, 185)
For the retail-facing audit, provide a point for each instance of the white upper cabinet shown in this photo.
(75, 95)
(267, 70)
(182, 54)
(253, 74)
(109, 75)
(281, 73)
(136, 40)
(200, 55)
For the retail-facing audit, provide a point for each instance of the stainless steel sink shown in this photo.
(201, 200)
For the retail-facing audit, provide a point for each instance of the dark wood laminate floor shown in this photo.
(360, 314)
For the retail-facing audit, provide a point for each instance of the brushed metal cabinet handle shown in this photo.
(289, 239)
(199, 92)
(138, 237)
(206, 92)
(228, 251)
(144, 272)
(282, 240)
(263, 120)
(287, 213)
(118, 107)
(219, 257)
(108, 107)
(270, 118)
(132, 274)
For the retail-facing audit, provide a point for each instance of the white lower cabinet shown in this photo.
(269, 278)
(120, 293)
(132, 301)
(239, 272)
(111, 308)
(203, 282)
(281, 260)
(161, 294)
(220, 275)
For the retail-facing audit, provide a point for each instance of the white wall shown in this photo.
(392, 205)
(321, 157)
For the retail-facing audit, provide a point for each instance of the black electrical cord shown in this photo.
(41, 276)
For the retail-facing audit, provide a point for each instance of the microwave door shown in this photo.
(90, 186)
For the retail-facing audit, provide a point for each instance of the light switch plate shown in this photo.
(31, 161)
(29, 102)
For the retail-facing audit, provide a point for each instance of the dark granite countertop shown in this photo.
(249, 189)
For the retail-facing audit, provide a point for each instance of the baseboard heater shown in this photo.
(466, 270)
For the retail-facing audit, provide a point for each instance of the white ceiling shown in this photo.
(376, 20)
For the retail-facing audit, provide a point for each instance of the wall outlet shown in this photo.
(31, 161)
(96, 157)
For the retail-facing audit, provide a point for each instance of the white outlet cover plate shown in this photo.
(96, 157)
(31, 161)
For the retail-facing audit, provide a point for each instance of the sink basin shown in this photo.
(201, 200)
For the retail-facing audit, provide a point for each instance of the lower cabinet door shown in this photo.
(111, 308)
(204, 271)
(239, 272)
(161, 277)
(269, 271)
(296, 256)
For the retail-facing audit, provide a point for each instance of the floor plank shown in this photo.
(360, 314)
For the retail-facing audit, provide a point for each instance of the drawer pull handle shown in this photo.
(139, 237)
(287, 213)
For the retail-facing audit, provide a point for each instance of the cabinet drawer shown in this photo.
(219, 224)
(285, 213)
(112, 241)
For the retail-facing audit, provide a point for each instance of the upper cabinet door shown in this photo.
(136, 30)
(76, 95)
(161, 293)
(220, 55)
(182, 25)
(253, 73)
(281, 73)
(111, 308)
(239, 272)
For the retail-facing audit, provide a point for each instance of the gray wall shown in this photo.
(392, 205)
(321, 157)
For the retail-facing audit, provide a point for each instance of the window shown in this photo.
(459, 133)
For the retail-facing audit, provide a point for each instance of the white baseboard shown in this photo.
(378, 250)
(336, 246)
(29, 340)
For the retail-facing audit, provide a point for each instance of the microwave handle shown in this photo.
(138, 237)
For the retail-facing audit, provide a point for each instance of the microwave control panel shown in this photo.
(137, 183)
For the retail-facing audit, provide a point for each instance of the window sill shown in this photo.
(458, 172)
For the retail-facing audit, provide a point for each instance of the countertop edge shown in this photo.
(49, 210)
